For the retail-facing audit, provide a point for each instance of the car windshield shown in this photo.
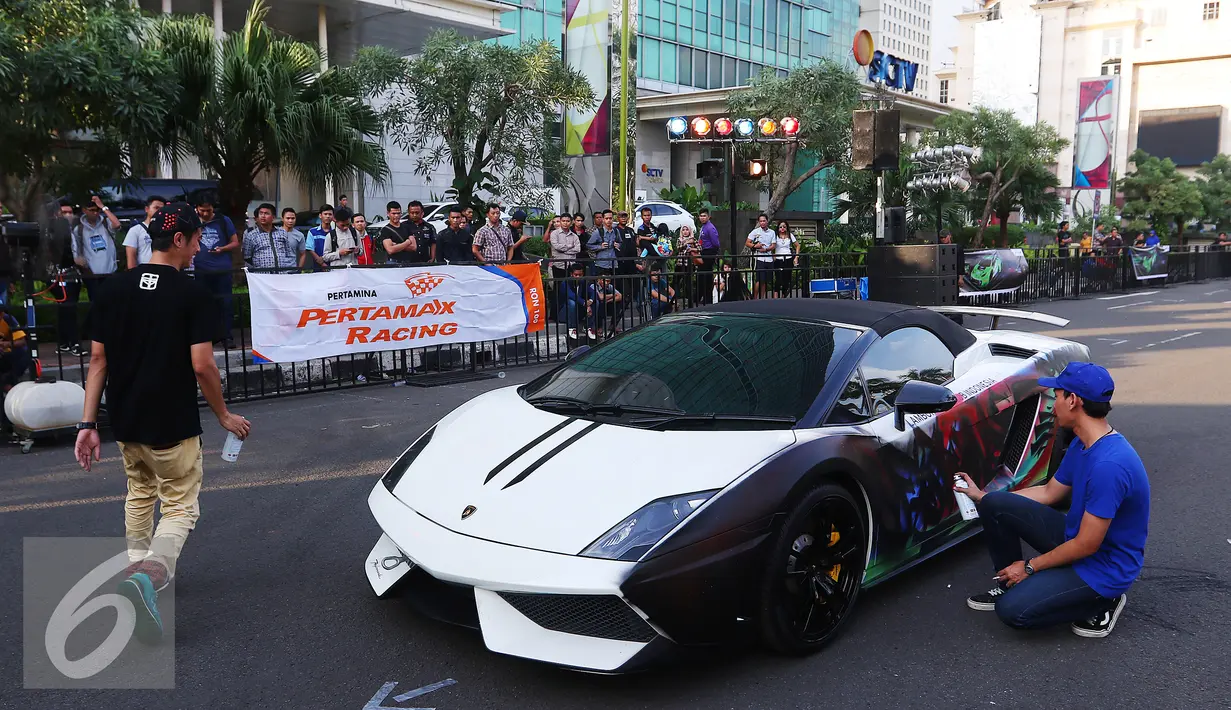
(714, 367)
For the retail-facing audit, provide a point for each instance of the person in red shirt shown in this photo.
(360, 224)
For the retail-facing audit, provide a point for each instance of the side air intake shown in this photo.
(1002, 350)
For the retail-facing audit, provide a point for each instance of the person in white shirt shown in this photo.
(786, 258)
(342, 244)
(761, 242)
(137, 245)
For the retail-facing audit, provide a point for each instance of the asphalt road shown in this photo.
(273, 611)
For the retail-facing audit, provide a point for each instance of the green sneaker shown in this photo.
(139, 590)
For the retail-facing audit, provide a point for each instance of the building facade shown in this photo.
(1170, 58)
(903, 28)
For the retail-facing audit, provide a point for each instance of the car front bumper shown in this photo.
(560, 609)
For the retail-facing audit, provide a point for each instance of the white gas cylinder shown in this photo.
(39, 406)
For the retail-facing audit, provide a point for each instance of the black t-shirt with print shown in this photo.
(148, 319)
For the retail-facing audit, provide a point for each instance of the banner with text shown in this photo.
(299, 317)
(993, 271)
(1151, 262)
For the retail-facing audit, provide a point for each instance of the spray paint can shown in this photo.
(230, 449)
(964, 503)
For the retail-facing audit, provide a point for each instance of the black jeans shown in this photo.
(66, 311)
(705, 274)
(219, 284)
(1047, 597)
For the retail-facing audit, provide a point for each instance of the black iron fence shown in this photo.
(585, 306)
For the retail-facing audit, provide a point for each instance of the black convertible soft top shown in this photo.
(877, 315)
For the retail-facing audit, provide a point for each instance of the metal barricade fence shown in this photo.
(681, 284)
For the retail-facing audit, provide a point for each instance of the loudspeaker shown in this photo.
(915, 290)
(875, 140)
(915, 274)
(914, 260)
(863, 138)
(888, 141)
(895, 225)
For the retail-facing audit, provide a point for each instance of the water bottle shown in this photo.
(230, 449)
(964, 503)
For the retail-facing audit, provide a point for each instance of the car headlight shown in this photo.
(637, 533)
(399, 467)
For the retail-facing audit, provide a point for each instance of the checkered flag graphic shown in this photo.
(423, 283)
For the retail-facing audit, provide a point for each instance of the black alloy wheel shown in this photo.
(814, 572)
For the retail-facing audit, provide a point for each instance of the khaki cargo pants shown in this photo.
(172, 477)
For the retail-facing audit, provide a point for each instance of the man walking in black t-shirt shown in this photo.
(153, 330)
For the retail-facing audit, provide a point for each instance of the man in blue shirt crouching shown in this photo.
(1091, 556)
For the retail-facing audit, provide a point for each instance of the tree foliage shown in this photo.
(485, 110)
(822, 96)
(259, 101)
(932, 210)
(76, 83)
(1215, 187)
(1159, 194)
(1013, 160)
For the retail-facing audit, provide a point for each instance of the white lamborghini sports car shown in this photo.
(751, 463)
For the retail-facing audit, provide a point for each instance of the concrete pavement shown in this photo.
(273, 610)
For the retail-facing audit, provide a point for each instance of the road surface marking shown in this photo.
(1170, 300)
(1128, 305)
(1171, 340)
(1113, 341)
(387, 688)
(1127, 295)
(1211, 293)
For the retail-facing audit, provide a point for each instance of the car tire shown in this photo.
(808, 591)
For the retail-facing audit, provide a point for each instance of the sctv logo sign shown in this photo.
(651, 172)
(894, 72)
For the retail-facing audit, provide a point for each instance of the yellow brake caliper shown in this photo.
(833, 540)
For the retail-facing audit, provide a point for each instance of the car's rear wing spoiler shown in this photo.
(998, 313)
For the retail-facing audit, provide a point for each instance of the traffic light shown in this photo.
(755, 169)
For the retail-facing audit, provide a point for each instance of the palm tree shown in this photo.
(258, 101)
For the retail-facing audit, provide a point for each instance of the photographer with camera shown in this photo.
(93, 243)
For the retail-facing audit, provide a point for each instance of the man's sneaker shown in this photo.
(155, 570)
(67, 349)
(1100, 626)
(81, 351)
(572, 333)
(985, 601)
(591, 334)
(139, 590)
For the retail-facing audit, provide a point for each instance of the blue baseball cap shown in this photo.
(1085, 379)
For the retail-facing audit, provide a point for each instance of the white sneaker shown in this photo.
(590, 334)
(572, 333)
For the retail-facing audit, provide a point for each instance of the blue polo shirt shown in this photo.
(1109, 481)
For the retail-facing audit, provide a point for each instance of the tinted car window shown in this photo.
(904, 355)
(663, 210)
(852, 405)
(703, 364)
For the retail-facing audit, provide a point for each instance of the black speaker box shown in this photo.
(915, 290)
(914, 260)
(915, 274)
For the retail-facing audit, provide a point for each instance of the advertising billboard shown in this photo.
(587, 45)
(1095, 138)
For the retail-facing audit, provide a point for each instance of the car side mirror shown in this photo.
(918, 397)
(577, 352)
